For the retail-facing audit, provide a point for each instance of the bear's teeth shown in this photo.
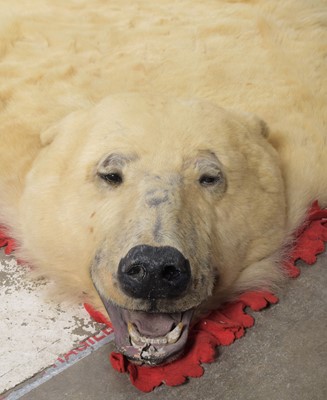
(170, 338)
(175, 334)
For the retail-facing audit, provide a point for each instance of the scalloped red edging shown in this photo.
(221, 327)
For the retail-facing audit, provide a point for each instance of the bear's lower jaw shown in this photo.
(149, 338)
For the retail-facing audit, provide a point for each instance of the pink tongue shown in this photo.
(154, 325)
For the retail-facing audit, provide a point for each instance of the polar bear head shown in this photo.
(160, 208)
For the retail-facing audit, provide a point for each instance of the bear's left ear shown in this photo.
(49, 134)
(63, 125)
(254, 124)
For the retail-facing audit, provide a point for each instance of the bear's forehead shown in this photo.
(156, 117)
(150, 126)
(164, 135)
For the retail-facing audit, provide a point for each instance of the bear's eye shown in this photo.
(114, 178)
(209, 180)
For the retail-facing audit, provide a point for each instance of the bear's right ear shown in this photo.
(255, 124)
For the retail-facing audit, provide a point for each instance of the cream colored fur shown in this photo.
(60, 58)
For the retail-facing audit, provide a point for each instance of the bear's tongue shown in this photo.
(153, 325)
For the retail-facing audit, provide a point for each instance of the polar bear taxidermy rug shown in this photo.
(157, 159)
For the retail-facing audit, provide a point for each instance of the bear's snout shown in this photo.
(152, 273)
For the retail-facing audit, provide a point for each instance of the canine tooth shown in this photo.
(136, 345)
(133, 333)
(174, 335)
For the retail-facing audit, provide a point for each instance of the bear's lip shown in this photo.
(149, 338)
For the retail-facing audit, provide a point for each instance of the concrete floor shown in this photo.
(283, 357)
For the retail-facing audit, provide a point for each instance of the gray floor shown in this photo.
(284, 356)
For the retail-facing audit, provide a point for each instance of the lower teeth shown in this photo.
(170, 338)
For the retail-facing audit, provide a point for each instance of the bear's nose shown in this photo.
(148, 272)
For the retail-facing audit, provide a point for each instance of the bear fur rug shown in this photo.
(158, 158)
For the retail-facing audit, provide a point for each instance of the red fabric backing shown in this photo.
(222, 326)
(6, 242)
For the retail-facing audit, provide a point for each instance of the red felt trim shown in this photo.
(6, 242)
(310, 240)
(221, 327)
(97, 315)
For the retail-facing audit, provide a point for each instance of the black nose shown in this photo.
(148, 272)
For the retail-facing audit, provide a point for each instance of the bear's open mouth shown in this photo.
(149, 338)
